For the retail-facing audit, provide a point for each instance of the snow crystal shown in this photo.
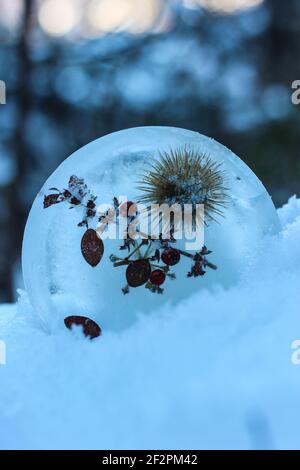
(214, 372)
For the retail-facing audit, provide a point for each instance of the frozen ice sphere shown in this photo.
(60, 282)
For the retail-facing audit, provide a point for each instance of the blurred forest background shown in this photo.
(78, 69)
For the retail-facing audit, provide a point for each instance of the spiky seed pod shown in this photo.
(185, 176)
(170, 256)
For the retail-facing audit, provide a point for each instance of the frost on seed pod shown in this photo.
(51, 199)
(89, 327)
(184, 176)
(170, 256)
(92, 248)
(172, 166)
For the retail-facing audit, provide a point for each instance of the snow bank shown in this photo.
(213, 373)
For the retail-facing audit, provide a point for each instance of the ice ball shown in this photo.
(66, 272)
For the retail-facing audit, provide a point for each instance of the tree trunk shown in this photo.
(13, 219)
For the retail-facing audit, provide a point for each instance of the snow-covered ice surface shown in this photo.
(214, 372)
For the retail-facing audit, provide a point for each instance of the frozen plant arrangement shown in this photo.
(192, 169)
(179, 177)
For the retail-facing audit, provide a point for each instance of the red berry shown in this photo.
(170, 256)
(157, 277)
(128, 209)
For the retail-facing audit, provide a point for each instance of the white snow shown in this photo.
(215, 372)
